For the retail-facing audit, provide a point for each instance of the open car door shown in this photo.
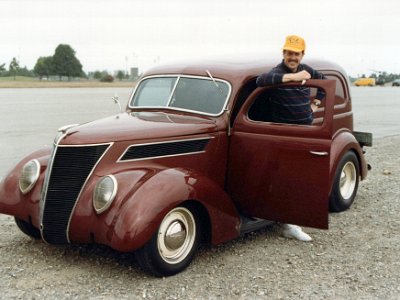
(280, 172)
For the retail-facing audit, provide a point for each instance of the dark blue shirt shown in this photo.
(290, 104)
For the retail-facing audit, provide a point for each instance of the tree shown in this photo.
(44, 66)
(25, 72)
(2, 67)
(65, 63)
(120, 75)
(107, 78)
(14, 67)
(97, 75)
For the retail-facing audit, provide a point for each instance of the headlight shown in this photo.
(29, 175)
(104, 193)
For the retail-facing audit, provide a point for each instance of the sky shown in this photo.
(360, 35)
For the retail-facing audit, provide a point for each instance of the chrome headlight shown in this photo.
(104, 193)
(29, 176)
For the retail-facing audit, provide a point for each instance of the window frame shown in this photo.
(178, 77)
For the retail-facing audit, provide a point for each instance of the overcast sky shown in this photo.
(360, 35)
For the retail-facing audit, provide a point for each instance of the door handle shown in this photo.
(319, 153)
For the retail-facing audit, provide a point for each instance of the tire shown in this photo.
(345, 184)
(28, 228)
(172, 247)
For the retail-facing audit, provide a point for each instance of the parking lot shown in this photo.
(357, 258)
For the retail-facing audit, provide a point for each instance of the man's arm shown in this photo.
(274, 77)
(299, 76)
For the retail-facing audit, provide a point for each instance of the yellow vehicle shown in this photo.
(365, 82)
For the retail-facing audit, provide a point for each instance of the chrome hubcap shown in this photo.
(348, 179)
(176, 235)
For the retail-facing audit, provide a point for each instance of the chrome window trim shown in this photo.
(173, 91)
(162, 156)
(179, 76)
(48, 175)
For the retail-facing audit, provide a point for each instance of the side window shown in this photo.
(340, 96)
(244, 92)
(287, 105)
(262, 107)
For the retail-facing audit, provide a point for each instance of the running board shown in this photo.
(252, 224)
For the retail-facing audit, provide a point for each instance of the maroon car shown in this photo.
(193, 158)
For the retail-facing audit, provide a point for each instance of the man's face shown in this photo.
(292, 59)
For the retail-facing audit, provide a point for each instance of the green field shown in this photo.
(34, 82)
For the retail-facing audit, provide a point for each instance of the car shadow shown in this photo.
(98, 257)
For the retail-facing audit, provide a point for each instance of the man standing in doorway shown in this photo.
(292, 105)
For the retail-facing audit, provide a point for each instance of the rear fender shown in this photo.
(140, 214)
(343, 142)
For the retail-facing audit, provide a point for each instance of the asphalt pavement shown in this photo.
(30, 117)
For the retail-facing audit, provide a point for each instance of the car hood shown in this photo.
(137, 126)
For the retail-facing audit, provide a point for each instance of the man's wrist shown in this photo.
(317, 102)
(288, 77)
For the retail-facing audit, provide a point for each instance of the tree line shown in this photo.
(63, 63)
(14, 69)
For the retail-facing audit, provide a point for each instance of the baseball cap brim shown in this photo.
(293, 49)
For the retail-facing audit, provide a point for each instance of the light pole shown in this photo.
(126, 65)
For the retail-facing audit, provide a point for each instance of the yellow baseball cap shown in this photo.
(294, 43)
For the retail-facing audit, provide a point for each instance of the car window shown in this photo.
(154, 91)
(340, 92)
(288, 105)
(200, 95)
(187, 93)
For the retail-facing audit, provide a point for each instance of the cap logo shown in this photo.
(293, 40)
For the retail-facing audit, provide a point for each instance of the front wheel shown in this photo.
(345, 186)
(27, 228)
(173, 245)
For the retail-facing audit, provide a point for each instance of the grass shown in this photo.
(31, 82)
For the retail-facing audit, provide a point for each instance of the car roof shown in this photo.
(234, 68)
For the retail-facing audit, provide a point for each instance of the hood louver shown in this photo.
(164, 149)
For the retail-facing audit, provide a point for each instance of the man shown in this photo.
(292, 105)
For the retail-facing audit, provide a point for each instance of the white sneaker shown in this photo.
(295, 232)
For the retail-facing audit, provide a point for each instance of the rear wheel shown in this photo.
(345, 186)
(173, 245)
(27, 228)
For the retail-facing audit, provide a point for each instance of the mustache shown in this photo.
(293, 60)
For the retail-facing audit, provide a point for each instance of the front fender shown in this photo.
(12, 201)
(143, 208)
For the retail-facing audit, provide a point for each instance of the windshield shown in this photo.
(187, 93)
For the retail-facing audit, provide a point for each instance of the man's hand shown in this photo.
(299, 76)
(315, 104)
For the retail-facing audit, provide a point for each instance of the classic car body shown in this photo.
(191, 157)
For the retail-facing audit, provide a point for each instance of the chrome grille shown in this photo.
(70, 169)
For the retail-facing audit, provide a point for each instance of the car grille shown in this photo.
(163, 149)
(70, 169)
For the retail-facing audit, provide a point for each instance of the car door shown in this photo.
(280, 172)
